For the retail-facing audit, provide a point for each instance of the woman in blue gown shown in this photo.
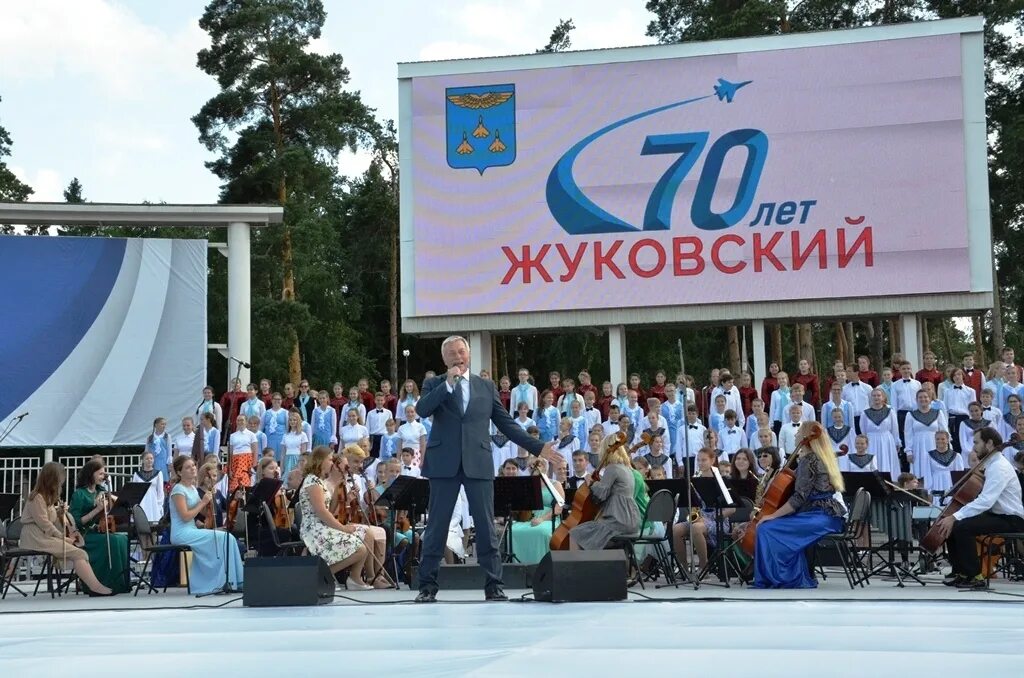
(208, 546)
(811, 513)
(532, 539)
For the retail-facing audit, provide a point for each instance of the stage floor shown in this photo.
(831, 631)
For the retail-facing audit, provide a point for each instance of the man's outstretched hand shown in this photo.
(550, 453)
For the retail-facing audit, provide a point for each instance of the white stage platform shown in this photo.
(832, 631)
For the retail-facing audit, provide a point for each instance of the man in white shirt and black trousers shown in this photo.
(998, 508)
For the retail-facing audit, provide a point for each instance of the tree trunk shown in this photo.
(851, 346)
(841, 344)
(894, 344)
(393, 302)
(287, 263)
(732, 339)
(806, 343)
(776, 346)
(997, 314)
(877, 346)
(950, 358)
(979, 345)
(926, 337)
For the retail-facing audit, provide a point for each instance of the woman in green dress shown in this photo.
(87, 510)
(531, 539)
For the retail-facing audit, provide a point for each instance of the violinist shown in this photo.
(615, 494)
(997, 508)
(812, 512)
(90, 509)
(341, 546)
(374, 536)
(46, 529)
(269, 469)
(531, 538)
(209, 479)
(208, 548)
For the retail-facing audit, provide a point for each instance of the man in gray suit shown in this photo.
(459, 454)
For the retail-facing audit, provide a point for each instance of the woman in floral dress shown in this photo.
(341, 546)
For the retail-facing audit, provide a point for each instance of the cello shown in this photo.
(778, 492)
(584, 508)
(962, 493)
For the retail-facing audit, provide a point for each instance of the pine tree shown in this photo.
(278, 124)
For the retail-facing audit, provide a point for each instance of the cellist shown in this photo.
(810, 513)
(997, 508)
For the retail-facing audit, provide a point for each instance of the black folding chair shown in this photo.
(660, 509)
(851, 556)
(286, 548)
(7, 564)
(12, 555)
(147, 542)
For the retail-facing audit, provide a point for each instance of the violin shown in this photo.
(584, 508)
(347, 509)
(237, 499)
(106, 524)
(210, 517)
(964, 492)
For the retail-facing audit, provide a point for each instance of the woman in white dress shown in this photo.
(153, 501)
(295, 443)
(878, 422)
(919, 430)
(341, 546)
(352, 432)
(413, 433)
(939, 463)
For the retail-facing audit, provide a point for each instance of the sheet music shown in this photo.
(559, 498)
(721, 486)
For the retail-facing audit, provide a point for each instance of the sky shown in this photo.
(104, 90)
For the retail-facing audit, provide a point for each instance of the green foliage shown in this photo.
(277, 126)
(560, 39)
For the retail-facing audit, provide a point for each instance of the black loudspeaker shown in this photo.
(473, 577)
(279, 582)
(580, 576)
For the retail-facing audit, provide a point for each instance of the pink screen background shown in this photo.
(871, 129)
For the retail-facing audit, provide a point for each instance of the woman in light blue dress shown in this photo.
(275, 424)
(532, 539)
(208, 546)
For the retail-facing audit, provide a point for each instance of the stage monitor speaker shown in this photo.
(580, 576)
(280, 582)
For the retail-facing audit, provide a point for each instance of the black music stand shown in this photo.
(873, 483)
(521, 493)
(710, 494)
(262, 492)
(8, 502)
(678, 487)
(409, 494)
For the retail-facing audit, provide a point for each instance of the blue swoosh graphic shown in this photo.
(570, 207)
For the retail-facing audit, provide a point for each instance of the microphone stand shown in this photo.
(11, 425)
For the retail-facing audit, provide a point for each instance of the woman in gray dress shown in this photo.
(614, 492)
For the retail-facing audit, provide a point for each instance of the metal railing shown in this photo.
(18, 477)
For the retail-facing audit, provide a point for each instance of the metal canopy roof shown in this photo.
(109, 214)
